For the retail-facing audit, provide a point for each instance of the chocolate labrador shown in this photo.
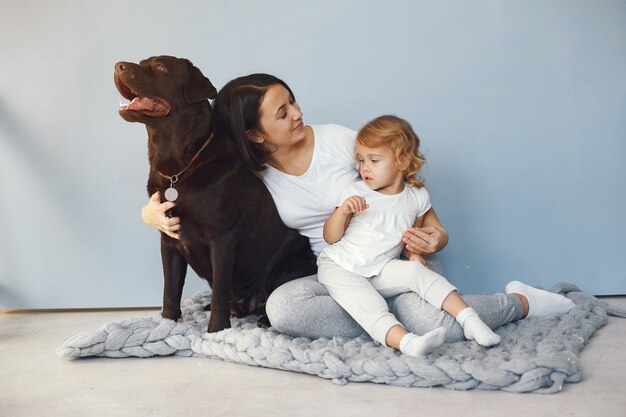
(231, 234)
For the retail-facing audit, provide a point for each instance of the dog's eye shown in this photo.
(159, 67)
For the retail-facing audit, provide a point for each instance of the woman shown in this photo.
(305, 169)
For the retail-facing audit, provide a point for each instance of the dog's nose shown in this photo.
(121, 66)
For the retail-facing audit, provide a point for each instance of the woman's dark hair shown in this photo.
(238, 110)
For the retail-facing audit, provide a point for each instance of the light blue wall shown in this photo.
(520, 106)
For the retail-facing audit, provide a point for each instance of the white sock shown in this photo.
(540, 302)
(476, 329)
(414, 345)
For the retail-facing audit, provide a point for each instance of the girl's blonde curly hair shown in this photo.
(399, 135)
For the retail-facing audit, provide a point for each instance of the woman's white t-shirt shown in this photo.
(305, 202)
(374, 236)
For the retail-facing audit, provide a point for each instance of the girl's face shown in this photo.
(280, 120)
(378, 168)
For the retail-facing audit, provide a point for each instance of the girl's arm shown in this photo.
(337, 223)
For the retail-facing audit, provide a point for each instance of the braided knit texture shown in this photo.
(535, 355)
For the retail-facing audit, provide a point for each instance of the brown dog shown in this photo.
(231, 234)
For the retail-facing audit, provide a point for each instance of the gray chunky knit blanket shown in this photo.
(535, 355)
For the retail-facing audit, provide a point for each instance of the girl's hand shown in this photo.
(153, 214)
(423, 240)
(353, 205)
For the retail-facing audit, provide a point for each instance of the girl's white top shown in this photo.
(306, 201)
(374, 236)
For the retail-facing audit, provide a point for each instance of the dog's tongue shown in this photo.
(141, 103)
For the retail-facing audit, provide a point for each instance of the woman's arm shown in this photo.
(430, 238)
(153, 214)
(337, 223)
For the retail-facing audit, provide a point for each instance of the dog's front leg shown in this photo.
(174, 271)
(222, 263)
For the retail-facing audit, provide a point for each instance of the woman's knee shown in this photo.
(273, 306)
(283, 302)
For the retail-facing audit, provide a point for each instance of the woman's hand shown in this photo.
(153, 214)
(428, 239)
(423, 240)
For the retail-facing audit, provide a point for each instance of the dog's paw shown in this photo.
(171, 314)
(216, 325)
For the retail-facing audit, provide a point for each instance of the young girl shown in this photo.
(360, 266)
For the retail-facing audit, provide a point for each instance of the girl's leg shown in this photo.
(357, 296)
(398, 276)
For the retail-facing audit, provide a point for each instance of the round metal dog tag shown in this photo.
(171, 194)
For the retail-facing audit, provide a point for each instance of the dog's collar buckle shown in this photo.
(171, 194)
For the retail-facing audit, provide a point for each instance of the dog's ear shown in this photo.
(198, 87)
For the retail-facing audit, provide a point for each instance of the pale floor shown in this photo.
(34, 382)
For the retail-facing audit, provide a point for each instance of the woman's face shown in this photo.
(280, 120)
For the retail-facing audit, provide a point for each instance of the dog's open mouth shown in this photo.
(149, 106)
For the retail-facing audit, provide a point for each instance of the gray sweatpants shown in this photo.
(364, 298)
(303, 307)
